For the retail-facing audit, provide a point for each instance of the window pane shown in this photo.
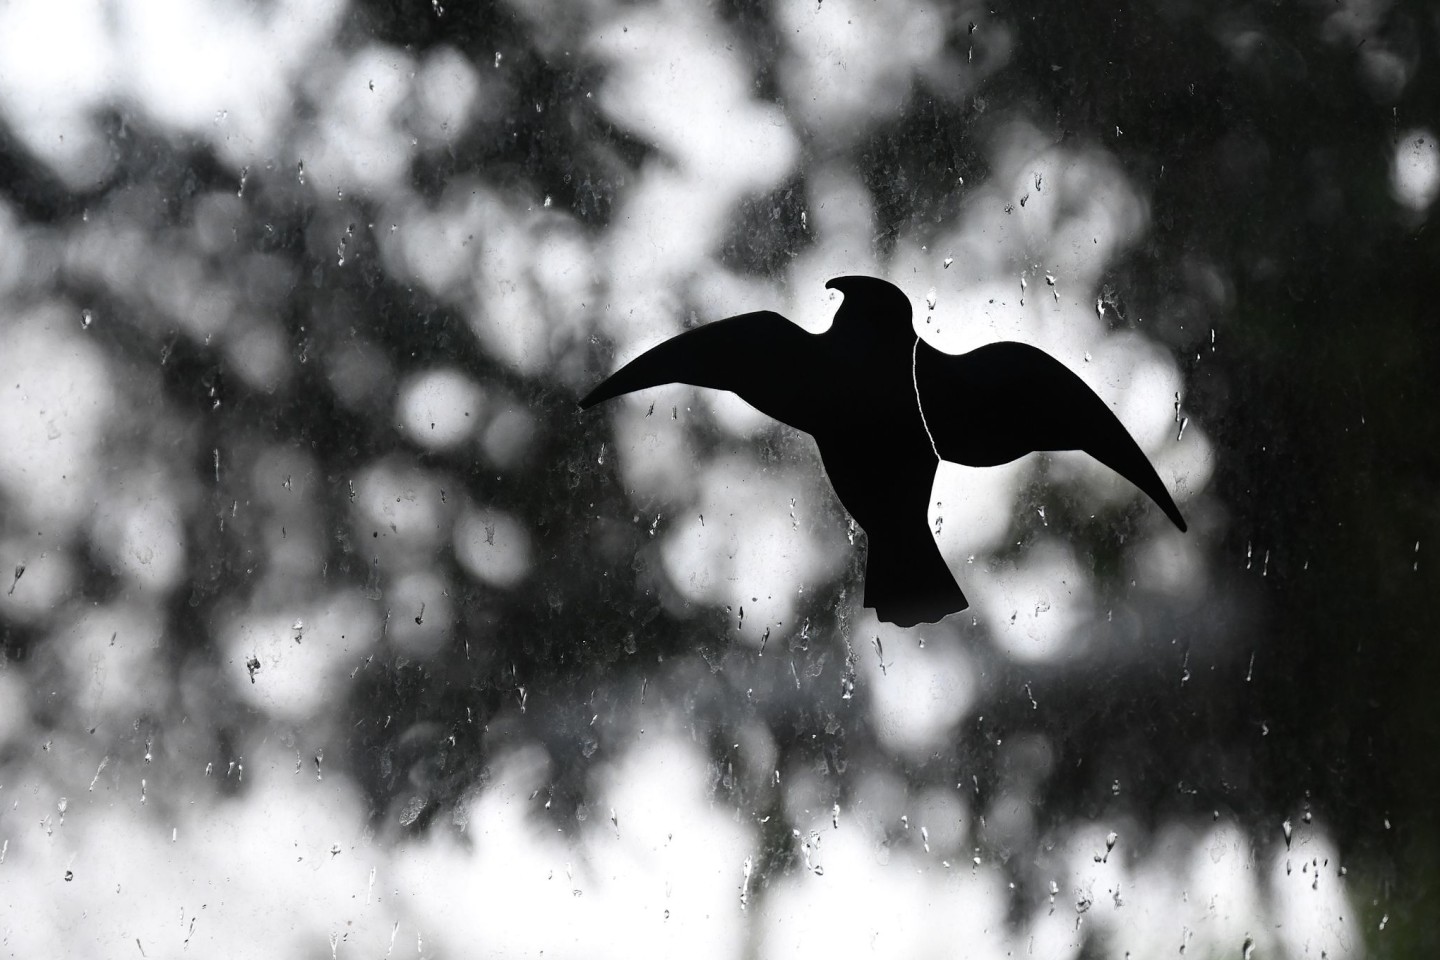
(335, 622)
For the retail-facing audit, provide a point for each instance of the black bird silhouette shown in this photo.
(884, 408)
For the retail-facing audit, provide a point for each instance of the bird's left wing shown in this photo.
(1004, 400)
(761, 357)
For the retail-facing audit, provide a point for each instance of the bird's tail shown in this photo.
(908, 582)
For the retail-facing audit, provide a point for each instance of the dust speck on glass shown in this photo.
(335, 627)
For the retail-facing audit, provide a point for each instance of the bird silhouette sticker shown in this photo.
(884, 408)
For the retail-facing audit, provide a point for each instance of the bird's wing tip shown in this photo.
(1176, 517)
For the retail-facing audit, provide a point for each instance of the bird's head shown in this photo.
(873, 304)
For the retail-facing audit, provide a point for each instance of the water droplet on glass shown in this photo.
(948, 261)
(847, 677)
(344, 242)
(1287, 830)
(412, 810)
(86, 318)
(930, 299)
(300, 172)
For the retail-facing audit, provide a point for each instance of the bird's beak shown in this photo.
(837, 283)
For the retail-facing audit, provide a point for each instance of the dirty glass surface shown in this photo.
(334, 628)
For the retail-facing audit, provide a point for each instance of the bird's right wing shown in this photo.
(761, 357)
(1004, 400)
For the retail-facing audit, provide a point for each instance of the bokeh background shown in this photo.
(333, 628)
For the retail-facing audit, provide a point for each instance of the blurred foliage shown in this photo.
(258, 322)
